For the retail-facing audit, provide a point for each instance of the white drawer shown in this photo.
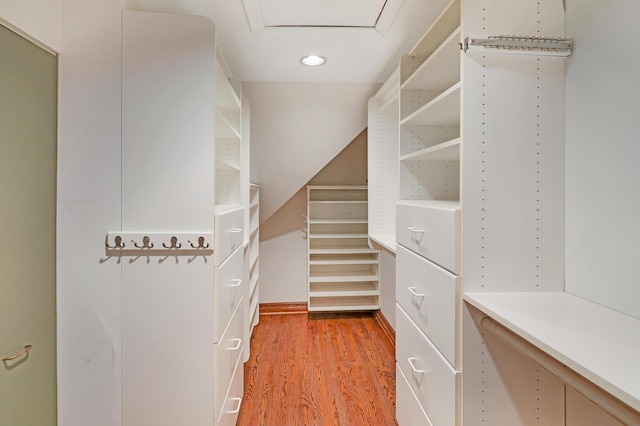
(229, 286)
(229, 233)
(408, 409)
(431, 229)
(433, 380)
(430, 296)
(225, 357)
(233, 399)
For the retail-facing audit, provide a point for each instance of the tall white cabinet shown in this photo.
(181, 247)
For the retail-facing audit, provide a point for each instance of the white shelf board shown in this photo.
(336, 277)
(598, 343)
(341, 250)
(338, 187)
(224, 128)
(222, 208)
(339, 202)
(446, 151)
(225, 96)
(253, 205)
(341, 260)
(253, 259)
(338, 236)
(443, 110)
(435, 73)
(253, 309)
(337, 221)
(226, 165)
(364, 303)
(434, 204)
(253, 283)
(387, 241)
(330, 290)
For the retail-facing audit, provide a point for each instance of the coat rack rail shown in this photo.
(159, 244)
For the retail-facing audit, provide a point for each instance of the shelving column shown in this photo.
(428, 220)
(342, 269)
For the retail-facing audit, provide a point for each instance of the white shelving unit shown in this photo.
(343, 271)
(229, 128)
(253, 316)
(382, 154)
(482, 131)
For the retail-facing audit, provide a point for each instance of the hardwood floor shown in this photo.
(319, 369)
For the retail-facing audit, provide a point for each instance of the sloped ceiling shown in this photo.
(263, 40)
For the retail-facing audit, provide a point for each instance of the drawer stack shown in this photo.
(228, 315)
(428, 312)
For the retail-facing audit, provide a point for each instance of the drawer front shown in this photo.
(229, 286)
(229, 233)
(430, 376)
(429, 295)
(233, 399)
(432, 231)
(225, 357)
(408, 409)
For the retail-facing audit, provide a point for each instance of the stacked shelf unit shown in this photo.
(343, 271)
(428, 227)
(229, 143)
(254, 255)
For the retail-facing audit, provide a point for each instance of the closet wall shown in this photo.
(39, 19)
(602, 174)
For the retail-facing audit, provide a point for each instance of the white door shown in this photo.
(28, 116)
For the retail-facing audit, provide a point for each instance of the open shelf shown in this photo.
(387, 241)
(443, 110)
(344, 289)
(446, 151)
(596, 342)
(346, 303)
(336, 277)
(439, 70)
(338, 259)
(223, 164)
(227, 124)
(345, 236)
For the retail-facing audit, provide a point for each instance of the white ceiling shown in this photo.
(263, 40)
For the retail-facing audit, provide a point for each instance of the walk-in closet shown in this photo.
(274, 212)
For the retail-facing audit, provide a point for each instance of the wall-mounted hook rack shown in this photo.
(159, 244)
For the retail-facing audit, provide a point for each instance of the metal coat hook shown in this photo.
(146, 243)
(174, 243)
(201, 244)
(118, 241)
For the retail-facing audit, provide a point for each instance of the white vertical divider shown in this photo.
(167, 185)
(245, 196)
(512, 202)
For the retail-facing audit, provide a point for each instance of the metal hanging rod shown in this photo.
(616, 408)
(524, 45)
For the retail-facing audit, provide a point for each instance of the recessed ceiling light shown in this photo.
(313, 60)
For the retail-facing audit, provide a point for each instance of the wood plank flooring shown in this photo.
(319, 369)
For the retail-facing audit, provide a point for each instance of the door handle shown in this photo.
(26, 350)
(413, 291)
(237, 409)
(235, 282)
(412, 364)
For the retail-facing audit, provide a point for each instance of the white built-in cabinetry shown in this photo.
(182, 244)
(253, 290)
(343, 271)
(479, 219)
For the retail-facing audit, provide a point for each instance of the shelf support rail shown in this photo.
(527, 45)
(607, 402)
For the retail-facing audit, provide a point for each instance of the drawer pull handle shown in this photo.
(235, 282)
(238, 401)
(412, 364)
(237, 345)
(413, 291)
(26, 350)
(415, 230)
(235, 230)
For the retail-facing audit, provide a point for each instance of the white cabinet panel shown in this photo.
(431, 229)
(430, 296)
(229, 288)
(229, 233)
(225, 357)
(429, 374)
(408, 409)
